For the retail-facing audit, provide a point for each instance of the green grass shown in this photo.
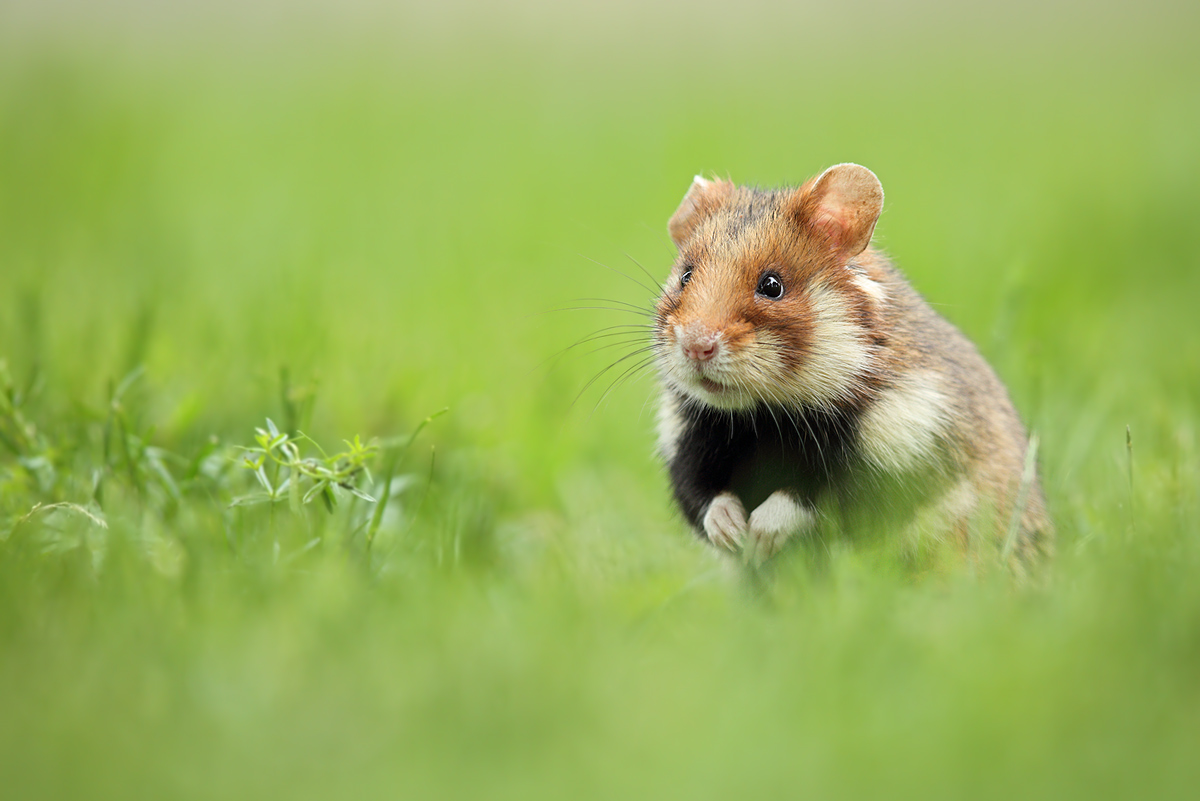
(348, 224)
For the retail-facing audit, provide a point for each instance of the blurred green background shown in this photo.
(394, 203)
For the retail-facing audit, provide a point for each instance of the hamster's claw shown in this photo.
(725, 522)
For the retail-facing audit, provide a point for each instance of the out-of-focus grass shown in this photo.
(393, 211)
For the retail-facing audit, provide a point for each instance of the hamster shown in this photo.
(806, 386)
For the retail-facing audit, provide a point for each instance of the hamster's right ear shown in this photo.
(701, 200)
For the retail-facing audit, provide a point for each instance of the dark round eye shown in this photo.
(769, 286)
(683, 279)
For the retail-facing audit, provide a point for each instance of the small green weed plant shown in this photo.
(60, 486)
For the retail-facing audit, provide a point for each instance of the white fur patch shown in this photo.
(900, 430)
(872, 289)
(725, 521)
(838, 356)
(670, 426)
(776, 520)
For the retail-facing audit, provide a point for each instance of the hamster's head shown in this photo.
(767, 303)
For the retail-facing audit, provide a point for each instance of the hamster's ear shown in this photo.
(701, 200)
(842, 204)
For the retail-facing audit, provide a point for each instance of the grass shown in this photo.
(347, 225)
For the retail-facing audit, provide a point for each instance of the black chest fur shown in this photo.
(756, 453)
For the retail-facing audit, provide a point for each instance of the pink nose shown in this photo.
(699, 349)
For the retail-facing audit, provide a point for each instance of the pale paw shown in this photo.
(773, 523)
(725, 521)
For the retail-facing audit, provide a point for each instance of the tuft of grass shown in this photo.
(112, 463)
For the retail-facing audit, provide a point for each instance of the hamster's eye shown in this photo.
(683, 279)
(769, 286)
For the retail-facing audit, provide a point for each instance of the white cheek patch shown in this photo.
(838, 356)
(900, 430)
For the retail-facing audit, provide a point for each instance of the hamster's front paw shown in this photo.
(725, 521)
(776, 520)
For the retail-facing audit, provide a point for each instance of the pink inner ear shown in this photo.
(831, 226)
(842, 204)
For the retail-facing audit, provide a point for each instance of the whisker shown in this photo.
(646, 272)
(770, 401)
(647, 309)
(620, 343)
(653, 290)
(600, 374)
(640, 329)
(634, 334)
(607, 346)
(623, 377)
(646, 368)
(634, 310)
(804, 418)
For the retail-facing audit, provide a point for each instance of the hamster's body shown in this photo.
(803, 377)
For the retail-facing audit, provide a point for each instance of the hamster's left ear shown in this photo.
(843, 205)
(701, 200)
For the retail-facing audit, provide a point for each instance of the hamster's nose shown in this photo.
(699, 346)
(701, 352)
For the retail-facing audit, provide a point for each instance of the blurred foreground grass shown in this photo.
(393, 221)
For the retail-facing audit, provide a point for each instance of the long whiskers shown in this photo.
(646, 310)
(632, 373)
(650, 348)
(628, 333)
(636, 337)
(645, 272)
(652, 289)
(632, 309)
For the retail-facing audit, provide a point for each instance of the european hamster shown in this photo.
(803, 379)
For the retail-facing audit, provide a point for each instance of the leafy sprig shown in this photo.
(284, 472)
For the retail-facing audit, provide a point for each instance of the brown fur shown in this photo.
(849, 338)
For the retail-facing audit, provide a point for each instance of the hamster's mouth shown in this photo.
(711, 392)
